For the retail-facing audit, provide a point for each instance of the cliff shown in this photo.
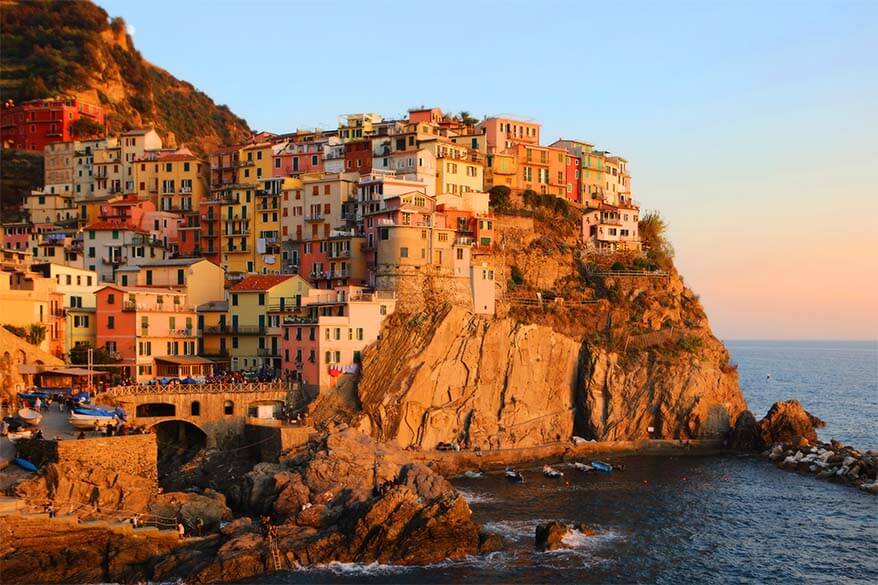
(73, 48)
(598, 354)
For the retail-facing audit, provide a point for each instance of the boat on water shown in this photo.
(582, 466)
(89, 418)
(473, 474)
(552, 473)
(601, 466)
(30, 416)
(513, 476)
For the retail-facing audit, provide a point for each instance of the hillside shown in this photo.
(605, 356)
(74, 48)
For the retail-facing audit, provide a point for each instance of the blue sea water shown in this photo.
(731, 519)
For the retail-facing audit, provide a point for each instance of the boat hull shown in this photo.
(29, 416)
(86, 422)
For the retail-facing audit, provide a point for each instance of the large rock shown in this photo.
(209, 508)
(458, 377)
(788, 422)
(745, 435)
(550, 536)
(681, 396)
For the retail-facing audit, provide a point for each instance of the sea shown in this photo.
(689, 519)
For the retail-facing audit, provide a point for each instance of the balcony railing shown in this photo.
(236, 329)
(267, 352)
(132, 306)
(314, 217)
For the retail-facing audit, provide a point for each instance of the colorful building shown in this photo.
(33, 124)
(255, 340)
(138, 324)
(30, 299)
(78, 288)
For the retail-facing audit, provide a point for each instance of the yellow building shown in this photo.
(78, 288)
(201, 280)
(28, 298)
(501, 171)
(213, 338)
(458, 168)
(182, 180)
(48, 207)
(255, 339)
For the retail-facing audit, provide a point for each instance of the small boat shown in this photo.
(25, 464)
(582, 466)
(30, 416)
(551, 472)
(473, 474)
(16, 435)
(513, 476)
(601, 466)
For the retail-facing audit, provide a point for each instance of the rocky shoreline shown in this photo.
(831, 461)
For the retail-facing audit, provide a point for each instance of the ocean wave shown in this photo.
(473, 497)
(515, 529)
(359, 569)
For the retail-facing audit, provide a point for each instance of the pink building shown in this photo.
(503, 133)
(324, 338)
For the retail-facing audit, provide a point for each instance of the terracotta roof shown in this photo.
(109, 225)
(181, 153)
(261, 282)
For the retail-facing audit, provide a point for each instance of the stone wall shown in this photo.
(134, 454)
(417, 288)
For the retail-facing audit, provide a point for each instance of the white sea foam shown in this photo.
(515, 529)
(473, 497)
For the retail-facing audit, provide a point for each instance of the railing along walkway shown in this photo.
(210, 388)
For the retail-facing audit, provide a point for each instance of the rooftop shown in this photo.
(261, 282)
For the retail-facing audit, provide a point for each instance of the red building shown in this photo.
(574, 179)
(358, 157)
(34, 124)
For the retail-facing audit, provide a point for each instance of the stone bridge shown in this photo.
(210, 413)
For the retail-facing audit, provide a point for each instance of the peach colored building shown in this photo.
(138, 324)
(502, 133)
(611, 228)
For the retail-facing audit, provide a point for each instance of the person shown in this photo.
(199, 524)
(97, 427)
(38, 434)
(38, 404)
(4, 428)
(51, 510)
(181, 530)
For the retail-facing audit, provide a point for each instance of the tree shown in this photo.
(467, 119)
(79, 355)
(652, 229)
(36, 334)
(499, 195)
(85, 128)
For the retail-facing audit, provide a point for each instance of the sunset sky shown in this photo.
(751, 126)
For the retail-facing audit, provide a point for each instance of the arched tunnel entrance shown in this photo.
(178, 442)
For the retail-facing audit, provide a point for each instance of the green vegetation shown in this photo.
(53, 48)
(86, 127)
(79, 355)
(35, 334)
(653, 230)
(691, 343)
(20, 171)
(516, 278)
(558, 205)
(499, 197)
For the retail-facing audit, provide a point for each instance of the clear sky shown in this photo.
(751, 126)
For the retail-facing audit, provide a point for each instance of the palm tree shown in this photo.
(467, 119)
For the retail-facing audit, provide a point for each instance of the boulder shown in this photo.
(550, 536)
(423, 481)
(745, 435)
(210, 508)
(787, 422)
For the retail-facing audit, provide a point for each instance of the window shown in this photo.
(111, 322)
(228, 407)
(181, 276)
(195, 408)
(235, 301)
(261, 299)
(403, 252)
(359, 334)
(91, 254)
(111, 299)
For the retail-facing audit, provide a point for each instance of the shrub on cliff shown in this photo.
(691, 343)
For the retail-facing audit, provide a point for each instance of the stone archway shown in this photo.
(178, 442)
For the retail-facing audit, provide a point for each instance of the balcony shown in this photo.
(114, 261)
(133, 307)
(181, 333)
(236, 329)
(267, 352)
(314, 217)
(340, 254)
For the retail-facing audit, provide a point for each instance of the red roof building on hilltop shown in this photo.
(34, 124)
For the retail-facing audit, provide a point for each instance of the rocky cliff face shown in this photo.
(608, 358)
(493, 383)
